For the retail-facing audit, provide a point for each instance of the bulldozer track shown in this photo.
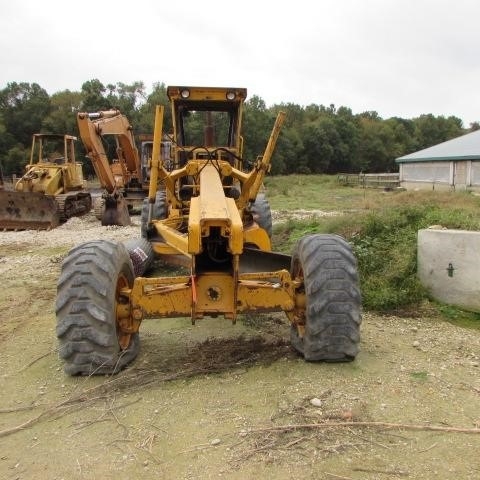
(73, 205)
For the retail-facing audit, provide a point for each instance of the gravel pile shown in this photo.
(75, 231)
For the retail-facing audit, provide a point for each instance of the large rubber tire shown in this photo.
(262, 213)
(99, 207)
(328, 269)
(141, 254)
(87, 292)
(159, 211)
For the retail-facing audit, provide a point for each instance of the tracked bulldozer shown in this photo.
(210, 214)
(51, 191)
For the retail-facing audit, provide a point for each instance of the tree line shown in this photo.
(315, 138)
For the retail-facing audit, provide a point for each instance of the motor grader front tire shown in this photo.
(88, 292)
(327, 270)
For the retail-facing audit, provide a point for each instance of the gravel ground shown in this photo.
(193, 408)
(75, 231)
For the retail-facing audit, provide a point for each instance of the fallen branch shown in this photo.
(404, 426)
(35, 360)
(19, 409)
(399, 473)
(338, 477)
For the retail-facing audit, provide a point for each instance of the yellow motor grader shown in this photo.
(52, 189)
(210, 214)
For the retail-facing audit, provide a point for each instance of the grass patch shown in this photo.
(457, 316)
(419, 376)
(314, 192)
(382, 231)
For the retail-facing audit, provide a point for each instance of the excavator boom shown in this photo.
(120, 177)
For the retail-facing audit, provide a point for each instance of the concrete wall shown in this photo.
(415, 186)
(459, 175)
(460, 249)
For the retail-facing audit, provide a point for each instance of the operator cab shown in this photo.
(207, 123)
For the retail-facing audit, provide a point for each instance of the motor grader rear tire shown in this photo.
(159, 211)
(262, 213)
(99, 207)
(141, 255)
(88, 291)
(328, 269)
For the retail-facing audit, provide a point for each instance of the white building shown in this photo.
(451, 165)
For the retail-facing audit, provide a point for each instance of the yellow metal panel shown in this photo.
(272, 291)
(236, 228)
(259, 296)
(259, 237)
(194, 236)
(206, 93)
(213, 209)
(171, 236)
(162, 297)
(215, 293)
(212, 197)
(162, 248)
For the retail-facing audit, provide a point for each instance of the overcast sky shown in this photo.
(398, 57)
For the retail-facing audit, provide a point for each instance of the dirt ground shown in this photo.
(216, 400)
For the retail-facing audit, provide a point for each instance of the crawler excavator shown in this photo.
(52, 189)
(120, 177)
(209, 214)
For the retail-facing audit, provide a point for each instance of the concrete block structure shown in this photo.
(449, 266)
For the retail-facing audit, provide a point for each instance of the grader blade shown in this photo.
(28, 211)
(253, 260)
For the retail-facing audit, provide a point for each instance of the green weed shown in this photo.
(383, 234)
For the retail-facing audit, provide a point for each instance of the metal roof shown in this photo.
(466, 147)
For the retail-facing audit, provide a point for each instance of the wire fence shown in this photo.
(387, 181)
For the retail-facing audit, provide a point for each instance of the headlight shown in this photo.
(230, 95)
(185, 93)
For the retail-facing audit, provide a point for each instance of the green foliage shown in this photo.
(15, 160)
(93, 96)
(421, 376)
(386, 248)
(460, 317)
(315, 138)
(382, 229)
(23, 107)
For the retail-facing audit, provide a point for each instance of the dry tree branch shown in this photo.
(404, 426)
(35, 360)
(337, 477)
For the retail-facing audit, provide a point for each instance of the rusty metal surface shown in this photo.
(115, 211)
(27, 211)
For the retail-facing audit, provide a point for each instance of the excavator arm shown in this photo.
(92, 141)
(116, 175)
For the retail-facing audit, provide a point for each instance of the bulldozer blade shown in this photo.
(116, 212)
(253, 260)
(28, 211)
